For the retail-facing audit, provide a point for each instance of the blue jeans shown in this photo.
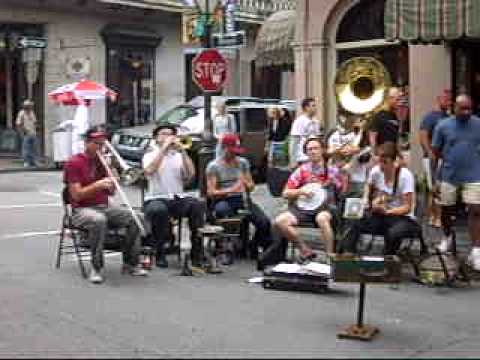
(29, 149)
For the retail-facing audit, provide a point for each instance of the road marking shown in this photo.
(29, 234)
(50, 193)
(86, 257)
(25, 206)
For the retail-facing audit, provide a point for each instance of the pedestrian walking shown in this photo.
(427, 127)
(304, 126)
(26, 123)
(456, 141)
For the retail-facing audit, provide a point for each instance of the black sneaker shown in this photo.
(161, 261)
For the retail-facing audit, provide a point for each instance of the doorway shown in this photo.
(466, 71)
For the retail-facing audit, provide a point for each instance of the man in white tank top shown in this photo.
(167, 167)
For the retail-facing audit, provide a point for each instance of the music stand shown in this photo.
(359, 331)
(365, 269)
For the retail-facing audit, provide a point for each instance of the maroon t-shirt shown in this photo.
(84, 170)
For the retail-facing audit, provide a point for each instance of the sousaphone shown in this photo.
(361, 84)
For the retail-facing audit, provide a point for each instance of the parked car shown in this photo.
(249, 112)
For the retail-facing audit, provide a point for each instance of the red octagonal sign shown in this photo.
(209, 70)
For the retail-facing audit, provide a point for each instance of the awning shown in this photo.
(273, 44)
(431, 20)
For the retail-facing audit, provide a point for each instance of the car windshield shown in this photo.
(176, 115)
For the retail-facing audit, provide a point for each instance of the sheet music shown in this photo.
(311, 267)
(318, 268)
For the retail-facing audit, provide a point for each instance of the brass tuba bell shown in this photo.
(361, 84)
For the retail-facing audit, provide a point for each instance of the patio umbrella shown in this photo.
(80, 94)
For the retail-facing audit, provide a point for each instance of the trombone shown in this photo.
(129, 174)
(124, 198)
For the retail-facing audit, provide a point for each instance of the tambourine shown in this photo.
(319, 198)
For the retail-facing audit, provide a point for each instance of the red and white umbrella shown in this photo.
(81, 93)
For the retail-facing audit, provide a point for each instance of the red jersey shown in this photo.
(84, 170)
(306, 174)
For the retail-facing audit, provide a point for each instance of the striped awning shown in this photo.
(431, 20)
(273, 44)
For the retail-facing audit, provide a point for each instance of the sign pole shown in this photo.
(206, 153)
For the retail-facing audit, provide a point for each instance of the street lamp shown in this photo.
(206, 153)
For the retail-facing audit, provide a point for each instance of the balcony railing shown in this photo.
(248, 10)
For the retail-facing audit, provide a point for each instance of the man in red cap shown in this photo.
(89, 188)
(228, 180)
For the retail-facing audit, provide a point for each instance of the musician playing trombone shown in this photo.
(314, 171)
(168, 167)
(88, 189)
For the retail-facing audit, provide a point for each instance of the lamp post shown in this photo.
(206, 153)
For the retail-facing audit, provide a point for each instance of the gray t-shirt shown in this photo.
(227, 175)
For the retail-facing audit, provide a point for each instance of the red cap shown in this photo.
(95, 135)
(232, 143)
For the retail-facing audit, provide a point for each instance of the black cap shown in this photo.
(165, 126)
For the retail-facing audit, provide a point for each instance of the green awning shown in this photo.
(431, 20)
(273, 44)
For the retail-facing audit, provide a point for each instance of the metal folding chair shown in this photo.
(78, 243)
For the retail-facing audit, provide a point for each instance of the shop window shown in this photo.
(363, 22)
(466, 71)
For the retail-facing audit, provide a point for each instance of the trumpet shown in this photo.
(129, 174)
(183, 143)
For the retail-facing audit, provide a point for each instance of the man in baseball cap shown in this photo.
(231, 143)
(228, 181)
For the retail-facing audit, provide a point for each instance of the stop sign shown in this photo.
(209, 70)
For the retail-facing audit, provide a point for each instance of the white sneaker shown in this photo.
(446, 244)
(137, 271)
(95, 277)
(474, 258)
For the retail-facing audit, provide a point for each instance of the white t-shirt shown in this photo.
(304, 127)
(167, 180)
(405, 185)
(358, 171)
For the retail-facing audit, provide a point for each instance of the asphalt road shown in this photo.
(45, 312)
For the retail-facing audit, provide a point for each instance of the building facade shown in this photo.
(426, 45)
(133, 46)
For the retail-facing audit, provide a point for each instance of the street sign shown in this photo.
(24, 42)
(209, 70)
(232, 39)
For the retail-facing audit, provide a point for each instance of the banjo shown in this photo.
(319, 197)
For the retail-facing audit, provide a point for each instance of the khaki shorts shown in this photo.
(470, 193)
